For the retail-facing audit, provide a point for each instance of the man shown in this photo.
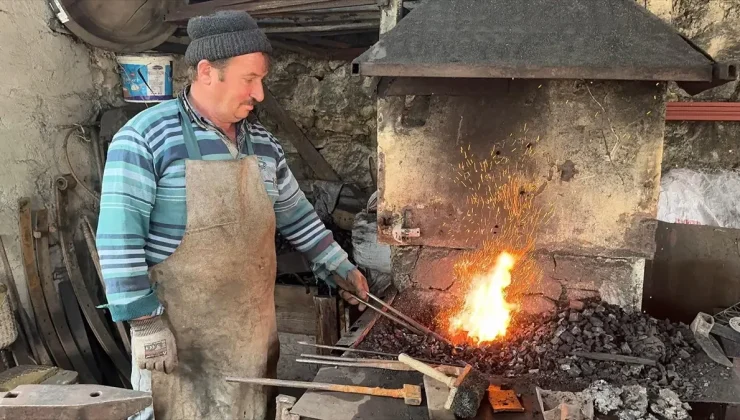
(191, 196)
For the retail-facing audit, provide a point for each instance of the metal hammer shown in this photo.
(466, 390)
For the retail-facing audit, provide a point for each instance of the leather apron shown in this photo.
(218, 292)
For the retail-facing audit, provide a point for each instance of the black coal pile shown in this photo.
(545, 345)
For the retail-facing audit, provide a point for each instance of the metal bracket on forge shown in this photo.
(400, 233)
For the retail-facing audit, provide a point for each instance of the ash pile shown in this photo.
(551, 348)
(630, 402)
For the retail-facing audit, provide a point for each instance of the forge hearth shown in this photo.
(544, 349)
(533, 127)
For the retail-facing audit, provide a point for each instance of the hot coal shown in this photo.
(544, 345)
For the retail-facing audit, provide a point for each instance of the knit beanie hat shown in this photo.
(222, 35)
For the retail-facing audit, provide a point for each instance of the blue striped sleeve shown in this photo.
(128, 191)
(298, 222)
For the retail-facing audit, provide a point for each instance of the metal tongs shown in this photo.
(400, 319)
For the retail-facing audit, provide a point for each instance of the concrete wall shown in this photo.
(50, 83)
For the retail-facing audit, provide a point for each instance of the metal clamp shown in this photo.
(400, 233)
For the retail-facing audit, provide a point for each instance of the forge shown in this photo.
(519, 160)
(526, 127)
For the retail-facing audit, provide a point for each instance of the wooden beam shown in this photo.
(330, 4)
(327, 322)
(317, 41)
(295, 310)
(352, 27)
(305, 148)
(256, 8)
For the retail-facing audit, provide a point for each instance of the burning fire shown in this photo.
(486, 313)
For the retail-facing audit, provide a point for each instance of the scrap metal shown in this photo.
(87, 304)
(52, 300)
(35, 291)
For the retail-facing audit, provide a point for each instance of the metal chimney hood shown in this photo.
(548, 39)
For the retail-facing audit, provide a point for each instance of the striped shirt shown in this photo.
(143, 211)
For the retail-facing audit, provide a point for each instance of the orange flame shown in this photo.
(486, 313)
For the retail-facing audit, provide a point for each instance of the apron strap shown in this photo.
(248, 141)
(188, 134)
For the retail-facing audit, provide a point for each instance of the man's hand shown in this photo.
(356, 284)
(153, 344)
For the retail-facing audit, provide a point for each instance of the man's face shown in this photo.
(238, 87)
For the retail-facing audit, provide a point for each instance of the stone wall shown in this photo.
(715, 26)
(335, 110)
(51, 82)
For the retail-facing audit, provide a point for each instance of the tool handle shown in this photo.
(426, 369)
(381, 392)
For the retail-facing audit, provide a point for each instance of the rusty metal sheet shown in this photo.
(35, 291)
(586, 153)
(702, 111)
(52, 299)
(71, 402)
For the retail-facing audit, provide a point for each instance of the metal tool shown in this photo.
(411, 394)
(702, 325)
(466, 390)
(359, 363)
(504, 400)
(387, 315)
(377, 353)
(407, 322)
(71, 402)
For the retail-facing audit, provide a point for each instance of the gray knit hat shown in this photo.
(224, 34)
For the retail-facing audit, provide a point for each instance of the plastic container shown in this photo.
(146, 77)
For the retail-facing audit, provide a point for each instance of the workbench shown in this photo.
(319, 405)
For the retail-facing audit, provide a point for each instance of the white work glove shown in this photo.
(153, 345)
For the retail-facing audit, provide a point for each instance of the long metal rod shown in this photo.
(361, 360)
(340, 348)
(378, 364)
(410, 320)
(387, 315)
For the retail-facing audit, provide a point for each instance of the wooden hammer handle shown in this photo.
(426, 369)
(381, 392)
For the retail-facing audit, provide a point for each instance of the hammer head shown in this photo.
(467, 393)
(412, 394)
